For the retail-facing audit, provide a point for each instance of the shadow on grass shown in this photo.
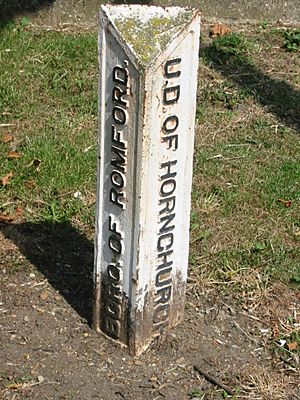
(12, 8)
(277, 96)
(63, 255)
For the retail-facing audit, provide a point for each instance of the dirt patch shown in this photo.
(48, 350)
(246, 339)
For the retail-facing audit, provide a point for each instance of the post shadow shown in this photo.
(12, 8)
(277, 96)
(63, 255)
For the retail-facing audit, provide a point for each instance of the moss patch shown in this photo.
(148, 39)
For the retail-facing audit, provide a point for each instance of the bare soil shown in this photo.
(49, 351)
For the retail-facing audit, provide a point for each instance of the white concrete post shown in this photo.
(148, 60)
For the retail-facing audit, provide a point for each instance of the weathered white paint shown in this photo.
(148, 60)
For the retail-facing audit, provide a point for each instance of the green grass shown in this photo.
(288, 39)
(292, 40)
(246, 192)
(233, 44)
(246, 162)
(48, 91)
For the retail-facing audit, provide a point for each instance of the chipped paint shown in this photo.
(147, 103)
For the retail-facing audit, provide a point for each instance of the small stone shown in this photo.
(138, 362)
(40, 379)
(44, 296)
(181, 361)
(32, 275)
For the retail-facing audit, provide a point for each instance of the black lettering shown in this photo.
(113, 226)
(168, 165)
(169, 204)
(116, 196)
(161, 242)
(167, 220)
(116, 137)
(171, 94)
(119, 161)
(114, 293)
(170, 124)
(165, 263)
(168, 187)
(117, 179)
(162, 277)
(165, 295)
(113, 309)
(115, 244)
(119, 115)
(112, 303)
(120, 75)
(165, 240)
(169, 68)
(113, 272)
(117, 95)
(170, 140)
(112, 327)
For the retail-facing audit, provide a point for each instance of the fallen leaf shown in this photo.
(13, 154)
(286, 203)
(19, 211)
(6, 218)
(5, 179)
(292, 345)
(219, 30)
(275, 330)
(6, 138)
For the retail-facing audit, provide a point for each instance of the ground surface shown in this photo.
(242, 319)
(57, 11)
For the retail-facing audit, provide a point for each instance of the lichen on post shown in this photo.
(148, 59)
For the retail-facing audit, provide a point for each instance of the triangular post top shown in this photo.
(147, 30)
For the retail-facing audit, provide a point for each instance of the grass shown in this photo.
(245, 224)
(292, 40)
(48, 93)
(246, 188)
